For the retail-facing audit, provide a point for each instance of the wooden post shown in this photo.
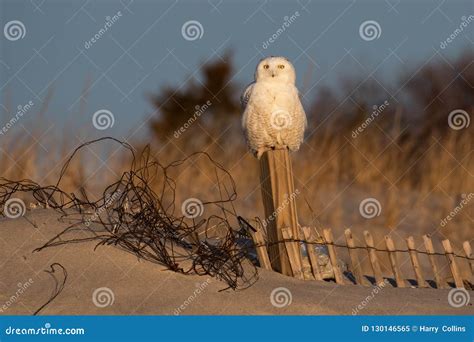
(313, 258)
(293, 253)
(261, 249)
(415, 262)
(278, 194)
(305, 262)
(355, 265)
(333, 256)
(431, 251)
(452, 263)
(392, 254)
(468, 251)
(374, 261)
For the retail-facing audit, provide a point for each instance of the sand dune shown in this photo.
(140, 287)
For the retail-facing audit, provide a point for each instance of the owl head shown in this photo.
(275, 69)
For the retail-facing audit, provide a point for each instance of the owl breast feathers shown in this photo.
(273, 114)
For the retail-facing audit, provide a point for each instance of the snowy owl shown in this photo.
(273, 114)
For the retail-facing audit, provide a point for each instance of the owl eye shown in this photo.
(281, 66)
(266, 66)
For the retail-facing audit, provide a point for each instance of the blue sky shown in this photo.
(144, 49)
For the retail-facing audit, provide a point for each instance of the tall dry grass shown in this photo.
(408, 158)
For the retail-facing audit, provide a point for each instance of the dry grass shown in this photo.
(416, 168)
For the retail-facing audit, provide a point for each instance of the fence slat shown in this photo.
(355, 265)
(374, 261)
(313, 258)
(430, 250)
(293, 253)
(392, 254)
(261, 249)
(415, 262)
(468, 251)
(333, 256)
(305, 262)
(452, 263)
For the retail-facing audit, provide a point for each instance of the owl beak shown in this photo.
(273, 74)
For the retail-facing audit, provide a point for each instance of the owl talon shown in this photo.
(260, 152)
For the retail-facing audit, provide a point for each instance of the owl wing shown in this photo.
(300, 111)
(245, 97)
(244, 100)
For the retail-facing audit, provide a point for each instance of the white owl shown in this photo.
(273, 114)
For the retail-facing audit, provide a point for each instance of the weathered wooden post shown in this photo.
(278, 195)
(452, 263)
(431, 255)
(394, 262)
(374, 261)
(415, 262)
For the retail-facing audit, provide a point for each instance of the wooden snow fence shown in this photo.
(287, 248)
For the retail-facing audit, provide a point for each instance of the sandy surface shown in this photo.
(140, 287)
